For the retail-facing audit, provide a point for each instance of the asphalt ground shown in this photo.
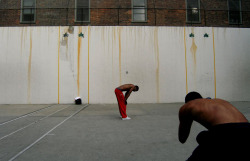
(95, 132)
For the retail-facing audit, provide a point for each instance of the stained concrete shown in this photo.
(95, 132)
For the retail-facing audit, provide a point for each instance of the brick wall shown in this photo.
(246, 15)
(118, 12)
(10, 17)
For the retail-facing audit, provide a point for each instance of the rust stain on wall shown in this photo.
(23, 38)
(88, 59)
(29, 69)
(67, 49)
(156, 48)
(58, 81)
(112, 39)
(193, 49)
(48, 36)
(185, 47)
(65, 42)
(114, 34)
(214, 66)
(67, 46)
(120, 62)
(79, 61)
(103, 35)
(22, 41)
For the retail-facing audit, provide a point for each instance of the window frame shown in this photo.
(139, 7)
(81, 8)
(199, 11)
(240, 12)
(22, 12)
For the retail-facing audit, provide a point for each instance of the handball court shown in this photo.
(95, 132)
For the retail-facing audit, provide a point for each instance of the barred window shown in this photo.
(193, 11)
(234, 11)
(28, 11)
(139, 11)
(82, 11)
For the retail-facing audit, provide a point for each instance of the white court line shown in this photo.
(28, 114)
(31, 124)
(21, 152)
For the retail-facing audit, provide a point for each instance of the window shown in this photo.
(139, 11)
(28, 11)
(82, 11)
(193, 11)
(234, 11)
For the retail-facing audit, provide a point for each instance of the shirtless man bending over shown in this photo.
(228, 134)
(122, 101)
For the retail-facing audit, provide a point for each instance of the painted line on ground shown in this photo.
(25, 115)
(28, 147)
(31, 124)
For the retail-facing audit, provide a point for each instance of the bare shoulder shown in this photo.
(219, 104)
(130, 85)
(126, 87)
(192, 105)
(220, 101)
(195, 109)
(207, 105)
(210, 112)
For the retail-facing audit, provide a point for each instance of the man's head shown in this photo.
(192, 96)
(136, 88)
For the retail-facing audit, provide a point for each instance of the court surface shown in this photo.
(95, 132)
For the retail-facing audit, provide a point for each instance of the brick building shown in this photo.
(220, 13)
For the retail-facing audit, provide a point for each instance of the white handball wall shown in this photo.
(39, 65)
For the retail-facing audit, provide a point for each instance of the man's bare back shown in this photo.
(228, 129)
(207, 112)
(210, 112)
(126, 87)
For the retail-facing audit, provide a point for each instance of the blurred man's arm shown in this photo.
(127, 94)
(185, 124)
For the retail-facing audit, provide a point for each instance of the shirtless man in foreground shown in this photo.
(122, 101)
(228, 129)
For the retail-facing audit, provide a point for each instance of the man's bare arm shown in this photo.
(127, 94)
(185, 124)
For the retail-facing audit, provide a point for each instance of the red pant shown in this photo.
(121, 102)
